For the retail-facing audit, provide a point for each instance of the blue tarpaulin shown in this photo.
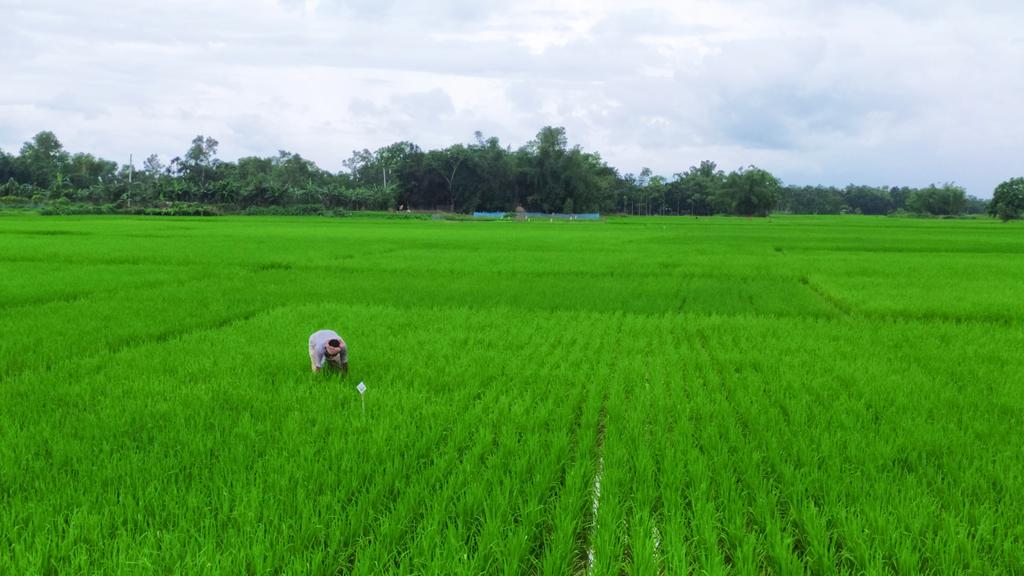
(555, 215)
(559, 216)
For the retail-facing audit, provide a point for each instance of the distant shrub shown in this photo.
(1008, 200)
(13, 188)
(168, 209)
(183, 209)
(13, 201)
(408, 216)
(262, 211)
(296, 210)
(455, 217)
(64, 207)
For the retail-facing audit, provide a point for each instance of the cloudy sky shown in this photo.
(897, 92)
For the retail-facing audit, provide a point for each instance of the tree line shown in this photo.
(544, 175)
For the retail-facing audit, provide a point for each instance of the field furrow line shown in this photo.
(596, 490)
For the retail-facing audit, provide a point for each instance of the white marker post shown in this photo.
(362, 395)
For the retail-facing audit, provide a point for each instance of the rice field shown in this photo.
(793, 395)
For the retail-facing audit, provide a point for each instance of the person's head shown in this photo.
(333, 349)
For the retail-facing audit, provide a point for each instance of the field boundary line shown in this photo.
(198, 329)
(939, 318)
(79, 296)
(112, 261)
(820, 292)
(160, 338)
(62, 299)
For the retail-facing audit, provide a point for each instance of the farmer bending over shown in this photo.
(327, 345)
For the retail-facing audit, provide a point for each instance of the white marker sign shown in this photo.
(362, 398)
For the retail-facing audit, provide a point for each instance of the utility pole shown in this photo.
(131, 169)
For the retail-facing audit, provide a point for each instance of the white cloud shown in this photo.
(904, 92)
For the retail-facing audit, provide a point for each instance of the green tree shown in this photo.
(491, 169)
(542, 167)
(419, 186)
(149, 180)
(253, 181)
(975, 205)
(811, 200)
(946, 200)
(295, 176)
(749, 191)
(1008, 200)
(85, 170)
(152, 166)
(867, 199)
(384, 169)
(650, 192)
(446, 163)
(380, 167)
(590, 183)
(43, 159)
(7, 167)
(548, 174)
(694, 191)
(899, 196)
(362, 166)
(199, 159)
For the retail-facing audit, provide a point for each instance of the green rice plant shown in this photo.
(816, 395)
